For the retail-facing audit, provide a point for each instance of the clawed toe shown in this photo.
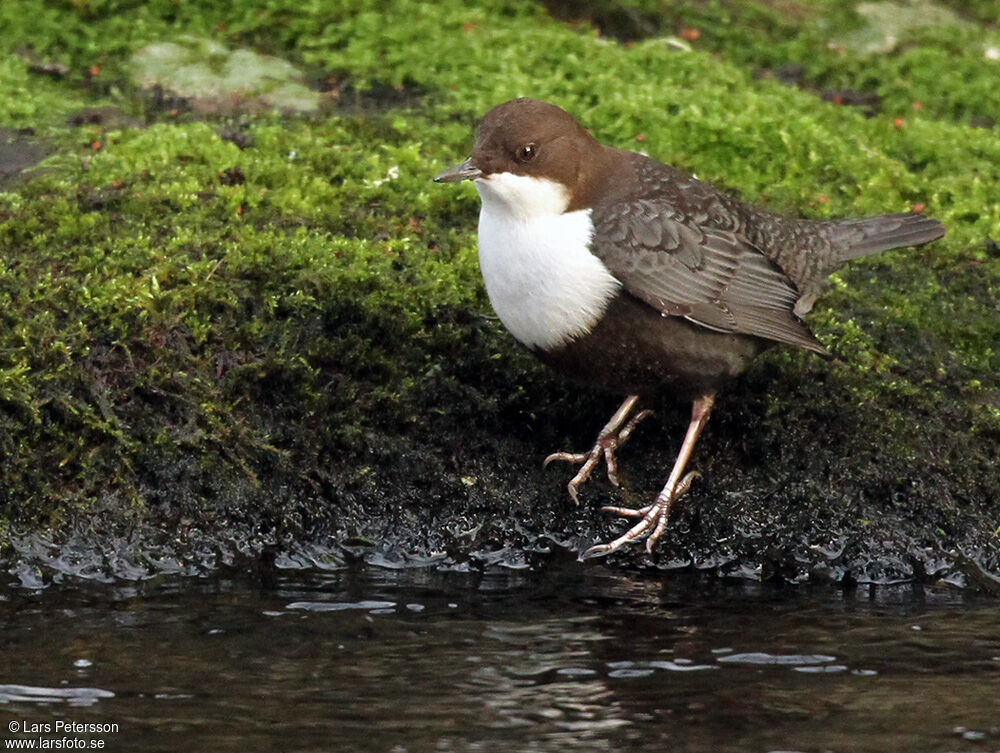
(652, 523)
(626, 512)
(589, 460)
(611, 438)
(569, 457)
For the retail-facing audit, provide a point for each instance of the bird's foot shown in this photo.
(608, 442)
(652, 519)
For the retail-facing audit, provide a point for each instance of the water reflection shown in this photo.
(566, 659)
(12, 694)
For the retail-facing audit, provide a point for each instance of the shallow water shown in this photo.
(570, 657)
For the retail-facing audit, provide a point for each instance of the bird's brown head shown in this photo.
(529, 138)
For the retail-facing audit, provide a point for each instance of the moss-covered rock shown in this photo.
(269, 330)
(212, 79)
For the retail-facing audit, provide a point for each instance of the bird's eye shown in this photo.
(527, 152)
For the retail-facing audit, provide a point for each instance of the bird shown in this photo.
(632, 276)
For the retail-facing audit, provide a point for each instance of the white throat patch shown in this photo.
(545, 285)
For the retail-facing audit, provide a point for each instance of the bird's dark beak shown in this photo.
(462, 171)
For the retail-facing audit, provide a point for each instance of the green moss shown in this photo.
(194, 331)
(31, 101)
(939, 59)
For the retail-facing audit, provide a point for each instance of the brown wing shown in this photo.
(712, 277)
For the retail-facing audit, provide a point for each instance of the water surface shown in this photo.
(567, 658)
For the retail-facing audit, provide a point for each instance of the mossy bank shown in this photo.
(242, 324)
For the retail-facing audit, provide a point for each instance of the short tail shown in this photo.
(853, 239)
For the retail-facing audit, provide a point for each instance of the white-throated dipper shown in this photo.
(624, 273)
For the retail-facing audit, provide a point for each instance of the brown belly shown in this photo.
(635, 350)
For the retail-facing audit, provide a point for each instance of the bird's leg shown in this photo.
(612, 436)
(653, 519)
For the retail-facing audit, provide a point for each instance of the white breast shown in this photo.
(545, 285)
